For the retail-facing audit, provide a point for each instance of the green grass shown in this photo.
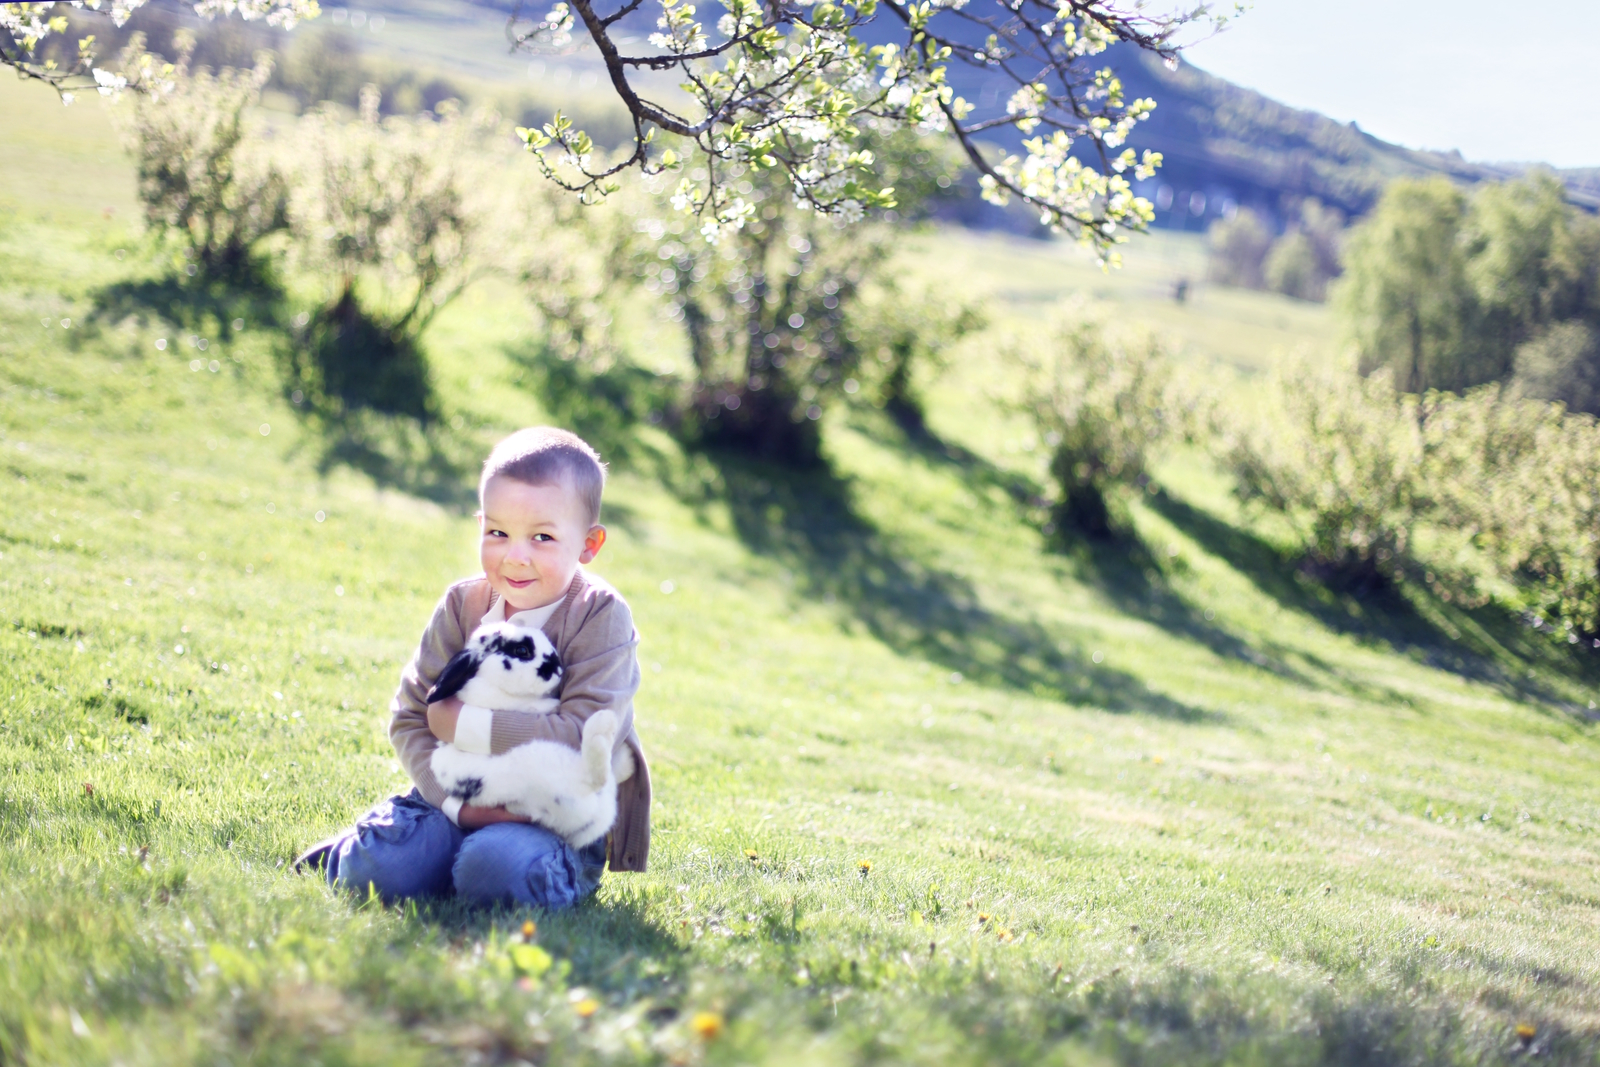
(1176, 805)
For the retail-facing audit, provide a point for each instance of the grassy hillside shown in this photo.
(927, 790)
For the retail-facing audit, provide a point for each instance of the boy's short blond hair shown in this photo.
(545, 455)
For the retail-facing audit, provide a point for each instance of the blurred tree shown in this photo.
(1406, 300)
(1101, 404)
(1531, 261)
(1238, 247)
(1291, 268)
(325, 67)
(381, 209)
(1306, 258)
(1299, 263)
(1562, 363)
(1324, 228)
(198, 178)
(1445, 291)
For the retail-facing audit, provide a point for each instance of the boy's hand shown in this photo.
(471, 816)
(442, 718)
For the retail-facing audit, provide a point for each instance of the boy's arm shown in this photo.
(408, 724)
(409, 730)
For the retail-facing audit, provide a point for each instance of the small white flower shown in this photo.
(109, 84)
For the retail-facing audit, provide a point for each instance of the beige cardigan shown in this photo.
(593, 632)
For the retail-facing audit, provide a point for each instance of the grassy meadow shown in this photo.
(928, 790)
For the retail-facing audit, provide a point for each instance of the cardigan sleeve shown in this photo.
(408, 724)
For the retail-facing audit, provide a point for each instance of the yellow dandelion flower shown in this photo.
(528, 930)
(1004, 934)
(1159, 759)
(1527, 1031)
(752, 855)
(707, 1025)
(865, 867)
(983, 917)
(586, 1007)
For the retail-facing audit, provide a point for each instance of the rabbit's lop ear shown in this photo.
(549, 665)
(457, 673)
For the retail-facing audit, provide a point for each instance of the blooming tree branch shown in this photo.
(25, 27)
(791, 86)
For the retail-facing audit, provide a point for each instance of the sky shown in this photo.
(1499, 81)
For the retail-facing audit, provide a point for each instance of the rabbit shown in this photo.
(505, 667)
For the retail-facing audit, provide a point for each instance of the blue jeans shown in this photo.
(406, 848)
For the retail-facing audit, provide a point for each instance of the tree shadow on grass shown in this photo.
(396, 452)
(419, 457)
(1124, 570)
(807, 521)
(206, 306)
(1132, 577)
(920, 441)
(1485, 645)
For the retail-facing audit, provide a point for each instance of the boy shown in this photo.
(539, 522)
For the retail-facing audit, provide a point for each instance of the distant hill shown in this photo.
(1227, 144)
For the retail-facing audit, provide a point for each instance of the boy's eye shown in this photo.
(495, 533)
(543, 537)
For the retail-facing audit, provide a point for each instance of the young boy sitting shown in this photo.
(540, 521)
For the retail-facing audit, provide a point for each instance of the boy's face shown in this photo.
(534, 537)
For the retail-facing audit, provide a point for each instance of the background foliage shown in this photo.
(1444, 289)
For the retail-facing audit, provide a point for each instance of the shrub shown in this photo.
(1339, 457)
(907, 333)
(1563, 363)
(1100, 403)
(767, 311)
(200, 178)
(382, 211)
(1521, 481)
(1292, 269)
(1488, 494)
(1238, 248)
(777, 315)
(1531, 260)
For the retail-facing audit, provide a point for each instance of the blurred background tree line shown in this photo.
(1447, 290)
(1434, 455)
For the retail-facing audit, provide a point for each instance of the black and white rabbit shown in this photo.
(514, 668)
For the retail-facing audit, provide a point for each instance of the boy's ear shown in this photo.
(593, 541)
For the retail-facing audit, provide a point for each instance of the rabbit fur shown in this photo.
(505, 667)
